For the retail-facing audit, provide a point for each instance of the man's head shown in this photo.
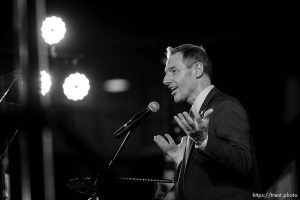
(188, 71)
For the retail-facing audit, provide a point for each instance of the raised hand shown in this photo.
(169, 147)
(197, 127)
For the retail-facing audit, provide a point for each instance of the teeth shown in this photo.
(172, 88)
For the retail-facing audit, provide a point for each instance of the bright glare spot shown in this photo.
(116, 85)
(45, 82)
(53, 30)
(76, 86)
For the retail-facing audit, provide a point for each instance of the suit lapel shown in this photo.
(208, 99)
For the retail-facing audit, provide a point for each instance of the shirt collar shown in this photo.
(200, 98)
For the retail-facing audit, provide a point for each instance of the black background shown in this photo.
(253, 50)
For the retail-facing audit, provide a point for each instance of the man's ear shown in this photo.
(198, 67)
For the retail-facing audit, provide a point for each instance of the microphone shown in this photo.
(136, 119)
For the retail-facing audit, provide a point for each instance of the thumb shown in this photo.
(183, 140)
(208, 113)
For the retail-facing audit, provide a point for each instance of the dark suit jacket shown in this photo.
(226, 168)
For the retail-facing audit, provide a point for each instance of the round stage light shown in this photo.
(53, 30)
(76, 86)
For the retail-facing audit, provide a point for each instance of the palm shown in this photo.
(196, 127)
(169, 147)
(201, 127)
(175, 150)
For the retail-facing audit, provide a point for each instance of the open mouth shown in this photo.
(173, 89)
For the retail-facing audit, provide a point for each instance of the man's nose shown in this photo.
(166, 80)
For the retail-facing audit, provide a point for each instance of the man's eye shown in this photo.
(174, 70)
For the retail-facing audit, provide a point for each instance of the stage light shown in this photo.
(76, 86)
(53, 30)
(116, 85)
(45, 82)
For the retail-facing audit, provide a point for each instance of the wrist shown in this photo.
(201, 140)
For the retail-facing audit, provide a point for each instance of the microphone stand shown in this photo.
(4, 154)
(16, 78)
(99, 182)
(97, 187)
(119, 150)
(17, 130)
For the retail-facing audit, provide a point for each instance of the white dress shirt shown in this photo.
(196, 108)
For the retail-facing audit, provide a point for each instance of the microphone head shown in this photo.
(153, 106)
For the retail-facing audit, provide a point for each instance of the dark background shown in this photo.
(253, 50)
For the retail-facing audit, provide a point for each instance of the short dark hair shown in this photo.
(191, 55)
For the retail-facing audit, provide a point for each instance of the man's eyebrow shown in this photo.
(169, 68)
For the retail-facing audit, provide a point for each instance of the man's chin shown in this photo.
(177, 99)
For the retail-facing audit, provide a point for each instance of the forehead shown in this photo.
(175, 60)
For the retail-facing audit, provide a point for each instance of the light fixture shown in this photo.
(76, 86)
(53, 30)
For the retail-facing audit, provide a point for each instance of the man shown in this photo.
(215, 159)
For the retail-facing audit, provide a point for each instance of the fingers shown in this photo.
(181, 125)
(170, 139)
(188, 119)
(184, 121)
(160, 140)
